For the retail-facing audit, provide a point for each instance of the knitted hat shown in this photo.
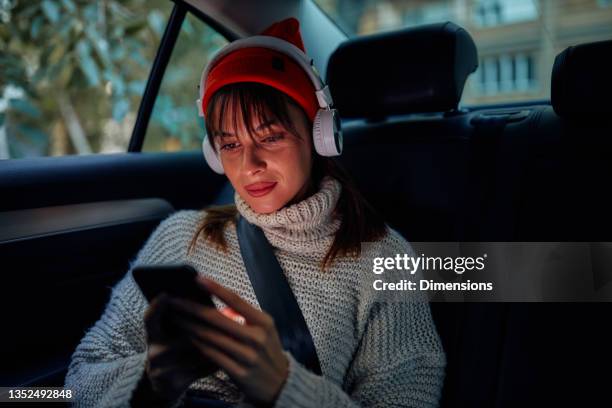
(266, 66)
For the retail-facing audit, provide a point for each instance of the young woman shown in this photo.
(262, 110)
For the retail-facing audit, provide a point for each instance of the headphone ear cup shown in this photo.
(211, 157)
(327, 133)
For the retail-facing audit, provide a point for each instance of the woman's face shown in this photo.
(274, 168)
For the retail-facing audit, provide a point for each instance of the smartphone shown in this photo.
(173, 279)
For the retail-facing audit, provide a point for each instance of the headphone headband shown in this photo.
(264, 41)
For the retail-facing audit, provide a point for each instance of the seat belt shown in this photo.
(274, 294)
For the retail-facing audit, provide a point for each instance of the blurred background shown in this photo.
(517, 40)
(72, 72)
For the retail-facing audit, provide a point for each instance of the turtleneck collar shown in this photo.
(309, 221)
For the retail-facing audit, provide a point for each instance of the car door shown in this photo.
(70, 225)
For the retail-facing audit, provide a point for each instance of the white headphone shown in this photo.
(326, 129)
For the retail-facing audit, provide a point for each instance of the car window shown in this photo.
(175, 124)
(72, 73)
(517, 40)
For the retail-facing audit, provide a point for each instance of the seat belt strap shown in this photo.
(274, 294)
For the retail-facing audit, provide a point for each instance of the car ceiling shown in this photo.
(321, 36)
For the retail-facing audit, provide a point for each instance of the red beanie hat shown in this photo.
(266, 66)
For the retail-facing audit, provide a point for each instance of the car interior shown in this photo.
(436, 170)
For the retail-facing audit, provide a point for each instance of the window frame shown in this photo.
(160, 63)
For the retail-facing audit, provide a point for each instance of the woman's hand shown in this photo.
(173, 363)
(251, 354)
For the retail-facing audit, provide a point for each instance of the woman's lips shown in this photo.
(260, 189)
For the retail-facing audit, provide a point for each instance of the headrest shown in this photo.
(420, 69)
(582, 80)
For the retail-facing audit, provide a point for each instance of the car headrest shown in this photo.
(421, 69)
(582, 80)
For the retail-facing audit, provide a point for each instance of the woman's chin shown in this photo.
(264, 205)
(264, 209)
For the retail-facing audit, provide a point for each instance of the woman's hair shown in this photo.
(359, 221)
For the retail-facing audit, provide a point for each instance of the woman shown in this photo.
(260, 120)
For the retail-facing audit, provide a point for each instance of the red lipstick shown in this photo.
(260, 189)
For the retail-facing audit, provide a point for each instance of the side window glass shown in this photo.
(175, 124)
(72, 73)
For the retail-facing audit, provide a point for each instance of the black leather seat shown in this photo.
(412, 168)
(515, 174)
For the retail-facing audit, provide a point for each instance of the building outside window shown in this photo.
(506, 73)
(489, 13)
(431, 11)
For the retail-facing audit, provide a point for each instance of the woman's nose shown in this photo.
(252, 159)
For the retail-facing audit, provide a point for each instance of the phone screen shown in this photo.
(175, 280)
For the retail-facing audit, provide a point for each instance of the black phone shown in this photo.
(173, 279)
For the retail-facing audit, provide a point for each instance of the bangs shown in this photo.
(251, 100)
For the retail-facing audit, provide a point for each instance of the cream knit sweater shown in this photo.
(372, 353)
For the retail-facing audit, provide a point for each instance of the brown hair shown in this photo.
(359, 221)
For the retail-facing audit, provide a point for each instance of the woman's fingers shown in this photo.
(153, 317)
(179, 349)
(251, 314)
(159, 321)
(219, 357)
(180, 353)
(236, 350)
(210, 316)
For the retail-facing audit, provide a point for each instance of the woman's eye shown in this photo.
(273, 138)
(228, 146)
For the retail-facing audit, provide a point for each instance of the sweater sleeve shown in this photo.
(399, 361)
(109, 361)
